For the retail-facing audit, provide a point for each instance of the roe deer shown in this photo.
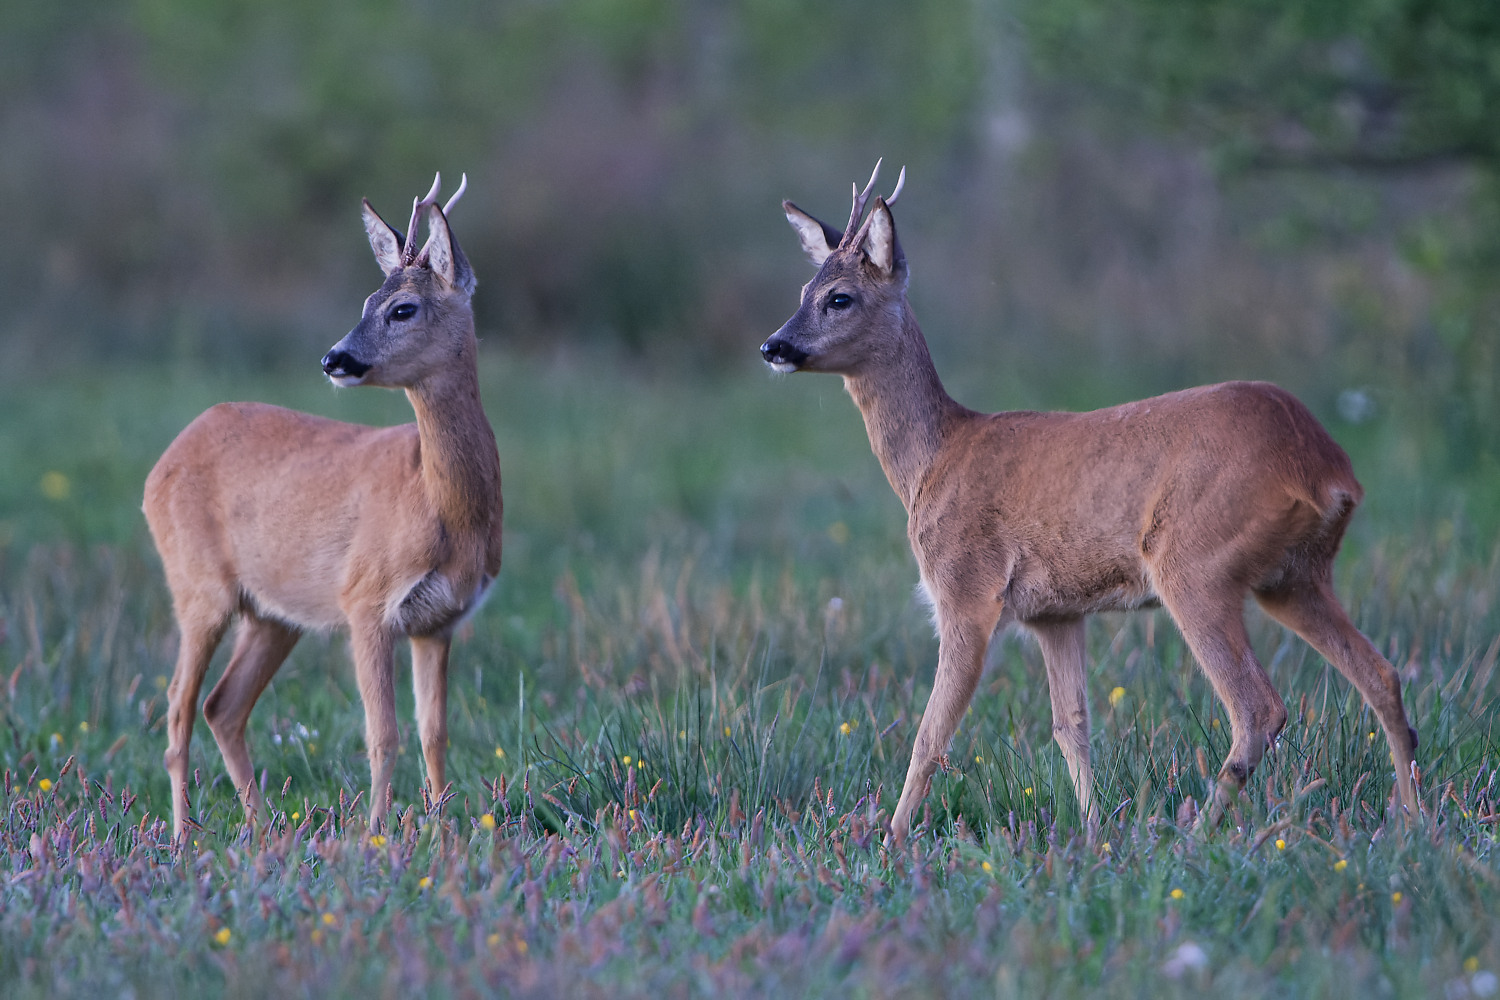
(1188, 500)
(296, 522)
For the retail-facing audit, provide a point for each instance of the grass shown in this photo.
(677, 726)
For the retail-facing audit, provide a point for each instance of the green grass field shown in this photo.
(677, 726)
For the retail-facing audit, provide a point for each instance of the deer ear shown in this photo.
(385, 241)
(818, 239)
(443, 255)
(880, 244)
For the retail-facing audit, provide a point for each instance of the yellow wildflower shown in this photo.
(625, 760)
(1280, 844)
(846, 729)
(988, 867)
(493, 940)
(329, 920)
(500, 753)
(1340, 864)
(425, 883)
(378, 840)
(1396, 897)
(83, 727)
(1178, 894)
(487, 821)
(1471, 964)
(1116, 696)
(55, 485)
(45, 784)
(222, 936)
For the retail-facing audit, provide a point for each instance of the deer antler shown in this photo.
(900, 183)
(416, 211)
(859, 201)
(463, 185)
(860, 197)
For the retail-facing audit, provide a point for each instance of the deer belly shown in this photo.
(434, 604)
(1042, 593)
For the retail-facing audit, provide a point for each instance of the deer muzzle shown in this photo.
(781, 355)
(343, 368)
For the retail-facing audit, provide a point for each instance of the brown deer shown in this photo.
(296, 523)
(1188, 500)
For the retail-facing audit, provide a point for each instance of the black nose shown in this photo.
(778, 352)
(342, 363)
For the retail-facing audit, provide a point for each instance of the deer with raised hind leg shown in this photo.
(294, 522)
(1190, 501)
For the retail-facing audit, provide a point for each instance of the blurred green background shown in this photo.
(1105, 200)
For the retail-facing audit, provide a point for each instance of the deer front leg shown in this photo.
(260, 647)
(373, 647)
(429, 669)
(962, 640)
(1062, 645)
(196, 649)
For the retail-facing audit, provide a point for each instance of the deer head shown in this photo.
(853, 303)
(420, 318)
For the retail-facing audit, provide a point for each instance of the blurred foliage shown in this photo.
(1104, 199)
(1364, 83)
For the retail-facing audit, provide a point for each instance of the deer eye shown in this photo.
(404, 311)
(839, 300)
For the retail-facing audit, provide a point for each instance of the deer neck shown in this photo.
(904, 406)
(460, 466)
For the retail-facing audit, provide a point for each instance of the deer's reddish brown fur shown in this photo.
(1190, 501)
(294, 522)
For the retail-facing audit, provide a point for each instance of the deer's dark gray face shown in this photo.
(851, 311)
(840, 321)
(419, 320)
(410, 327)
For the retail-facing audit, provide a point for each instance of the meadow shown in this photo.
(681, 719)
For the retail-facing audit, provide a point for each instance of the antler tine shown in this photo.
(900, 183)
(860, 197)
(463, 185)
(430, 198)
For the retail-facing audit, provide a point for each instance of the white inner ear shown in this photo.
(810, 234)
(382, 241)
(880, 239)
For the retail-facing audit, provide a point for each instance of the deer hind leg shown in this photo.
(1214, 628)
(200, 635)
(374, 667)
(1314, 613)
(429, 669)
(962, 642)
(261, 645)
(1062, 645)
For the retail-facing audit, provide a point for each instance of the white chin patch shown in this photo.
(346, 380)
(785, 367)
